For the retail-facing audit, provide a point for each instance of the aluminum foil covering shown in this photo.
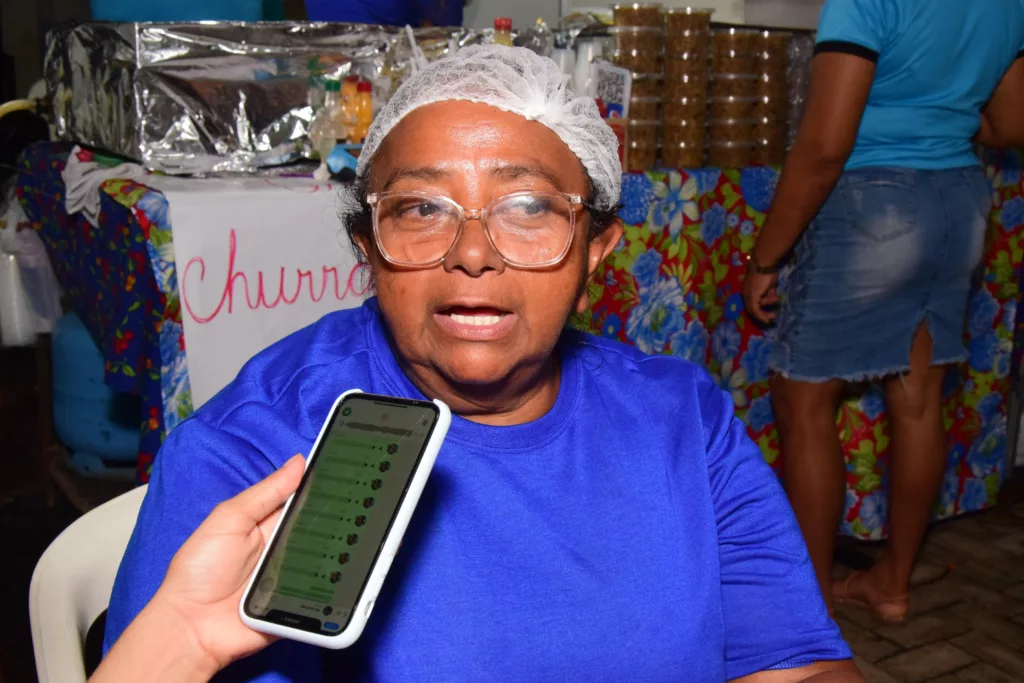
(218, 96)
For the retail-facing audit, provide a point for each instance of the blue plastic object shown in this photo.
(180, 10)
(98, 426)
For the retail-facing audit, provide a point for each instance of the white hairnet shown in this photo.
(515, 80)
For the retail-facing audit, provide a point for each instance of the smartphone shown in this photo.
(319, 576)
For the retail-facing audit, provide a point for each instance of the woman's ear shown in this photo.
(602, 246)
(598, 249)
(365, 244)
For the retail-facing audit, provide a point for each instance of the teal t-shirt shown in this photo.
(938, 62)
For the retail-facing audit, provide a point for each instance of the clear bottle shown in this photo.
(328, 126)
(503, 31)
(364, 110)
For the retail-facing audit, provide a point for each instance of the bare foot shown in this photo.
(863, 590)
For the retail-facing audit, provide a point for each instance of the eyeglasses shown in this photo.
(527, 229)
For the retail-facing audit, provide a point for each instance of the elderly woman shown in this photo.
(595, 514)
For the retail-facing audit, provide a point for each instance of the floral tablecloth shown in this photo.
(672, 286)
(120, 279)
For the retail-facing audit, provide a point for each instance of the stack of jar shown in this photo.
(772, 110)
(687, 39)
(732, 98)
(748, 102)
(638, 39)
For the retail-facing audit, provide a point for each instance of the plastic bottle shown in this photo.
(538, 38)
(349, 113)
(328, 126)
(364, 110)
(503, 31)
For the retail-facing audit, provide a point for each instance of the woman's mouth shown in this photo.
(475, 323)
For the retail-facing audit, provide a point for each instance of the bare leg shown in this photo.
(813, 469)
(917, 464)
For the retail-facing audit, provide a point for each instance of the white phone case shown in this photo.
(364, 606)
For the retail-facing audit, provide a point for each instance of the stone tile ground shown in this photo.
(967, 607)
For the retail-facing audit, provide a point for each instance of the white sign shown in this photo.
(256, 260)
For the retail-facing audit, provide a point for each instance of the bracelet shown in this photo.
(762, 270)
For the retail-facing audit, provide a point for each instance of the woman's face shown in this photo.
(473, 320)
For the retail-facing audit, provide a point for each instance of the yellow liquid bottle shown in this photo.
(503, 31)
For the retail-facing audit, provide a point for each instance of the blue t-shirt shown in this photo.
(938, 62)
(633, 533)
(387, 12)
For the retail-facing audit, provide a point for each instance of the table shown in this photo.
(673, 285)
(121, 281)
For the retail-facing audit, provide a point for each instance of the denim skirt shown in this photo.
(892, 248)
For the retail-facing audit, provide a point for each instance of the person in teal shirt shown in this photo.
(878, 226)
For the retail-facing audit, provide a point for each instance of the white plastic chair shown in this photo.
(72, 582)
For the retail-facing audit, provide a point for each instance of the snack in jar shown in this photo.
(771, 61)
(695, 89)
(683, 156)
(644, 38)
(768, 153)
(735, 85)
(686, 69)
(733, 41)
(686, 64)
(731, 130)
(638, 14)
(640, 157)
(685, 107)
(644, 133)
(685, 132)
(772, 45)
(731, 107)
(647, 85)
(772, 84)
(688, 41)
(680, 19)
(769, 131)
(770, 107)
(730, 154)
(634, 60)
(645, 108)
(733, 63)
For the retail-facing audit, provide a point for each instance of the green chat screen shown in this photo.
(321, 560)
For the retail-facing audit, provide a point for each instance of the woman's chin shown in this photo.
(476, 372)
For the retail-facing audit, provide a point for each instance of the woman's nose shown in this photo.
(473, 252)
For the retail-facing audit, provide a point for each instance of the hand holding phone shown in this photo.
(190, 629)
(319, 576)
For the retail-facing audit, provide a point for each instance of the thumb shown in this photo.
(263, 498)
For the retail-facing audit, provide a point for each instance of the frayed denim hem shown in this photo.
(867, 375)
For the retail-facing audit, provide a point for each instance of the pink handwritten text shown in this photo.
(357, 284)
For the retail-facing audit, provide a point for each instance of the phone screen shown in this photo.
(328, 543)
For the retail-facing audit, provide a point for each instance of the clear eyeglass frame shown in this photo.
(575, 202)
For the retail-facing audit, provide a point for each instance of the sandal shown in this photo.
(891, 610)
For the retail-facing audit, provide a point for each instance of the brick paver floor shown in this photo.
(967, 608)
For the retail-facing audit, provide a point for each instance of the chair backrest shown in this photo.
(72, 582)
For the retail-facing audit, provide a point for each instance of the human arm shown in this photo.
(851, 36)
(199, 466)
(1002, 124)
(777, 627)
(819, 672)
(190, 630)
(840, 85)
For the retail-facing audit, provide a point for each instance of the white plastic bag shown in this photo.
(29, 293)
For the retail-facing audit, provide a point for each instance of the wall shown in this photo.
(481, 13)
(786, 13)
